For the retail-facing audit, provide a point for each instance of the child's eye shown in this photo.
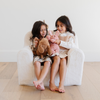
(61, 25)
(43, 30)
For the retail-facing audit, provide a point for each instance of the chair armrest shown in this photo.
(25, 65)
(25, 54)
(75, 53)
(75, 66)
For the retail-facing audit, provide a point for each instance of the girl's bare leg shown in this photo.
(62, 74)
(37, 66)
(43, 73)
(54, 70)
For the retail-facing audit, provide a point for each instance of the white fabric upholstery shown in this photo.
(26, 74)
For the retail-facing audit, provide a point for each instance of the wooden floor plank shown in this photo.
(93, 75)
(30, 93)
(13, 86)
(11, 90)
(72, 93)
(15, 75)
(2, 66)
(3, 63)
(8, 72)
(49, 95)
(3, 83)
(87, 89)
(10, 96)
(94, 65)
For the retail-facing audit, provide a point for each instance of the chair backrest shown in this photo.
(76, 41)
(27, 41)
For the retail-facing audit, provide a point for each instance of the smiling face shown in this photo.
(43, 30)
(61, 27)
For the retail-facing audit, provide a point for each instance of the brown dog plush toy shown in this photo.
(43, 48)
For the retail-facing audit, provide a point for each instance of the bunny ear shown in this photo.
(50, 32)
(57, 33)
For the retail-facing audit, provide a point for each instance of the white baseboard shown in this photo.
(8, 55)
(11, 56)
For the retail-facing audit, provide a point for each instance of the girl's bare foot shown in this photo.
(36, 83)
(41, 87)
(61, 88)
(53, 87)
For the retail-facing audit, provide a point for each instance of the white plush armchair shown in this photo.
(26, 74)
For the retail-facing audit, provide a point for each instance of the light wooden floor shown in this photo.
(10, 90)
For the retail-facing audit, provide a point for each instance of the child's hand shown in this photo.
(57, 41)
(36, 41)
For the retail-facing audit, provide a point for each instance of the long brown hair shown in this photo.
(36, 29)
(65, 20)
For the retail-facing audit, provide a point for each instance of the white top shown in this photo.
(67, 42)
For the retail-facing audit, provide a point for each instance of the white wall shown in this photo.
(18, 16)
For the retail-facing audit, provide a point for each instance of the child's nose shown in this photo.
(43, 31)
(59, 28)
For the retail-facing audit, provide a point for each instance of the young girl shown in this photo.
(39, 31)
(66, 41)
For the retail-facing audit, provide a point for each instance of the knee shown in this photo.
(63, 60)
(47, 63)
(57, 59)
(36, 64)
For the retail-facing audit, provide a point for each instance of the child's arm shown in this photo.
(66, 44)
(35, 44)
(69, 44)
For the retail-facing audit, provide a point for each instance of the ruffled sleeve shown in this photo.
(33, 45)
(69, 44)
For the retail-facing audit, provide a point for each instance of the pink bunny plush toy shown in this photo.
(52, 38)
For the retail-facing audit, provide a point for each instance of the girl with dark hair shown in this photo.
(39, 31)
(64, 20)
(66, 42)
